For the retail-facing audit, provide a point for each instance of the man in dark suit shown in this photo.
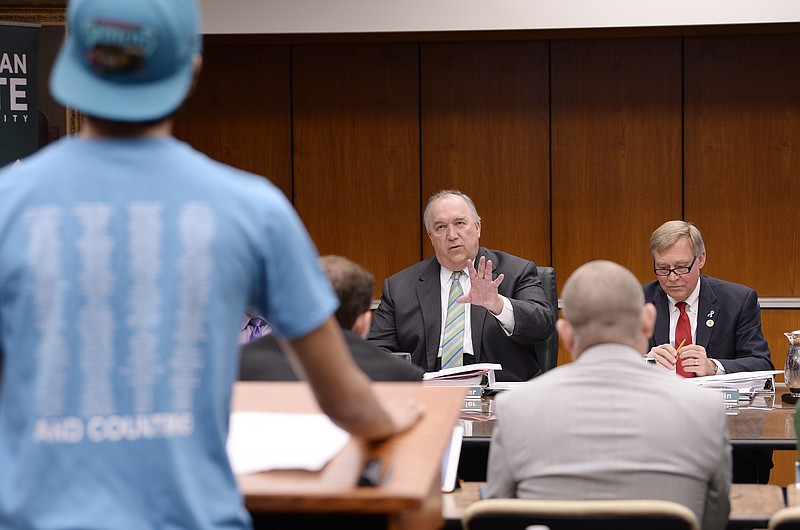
(264, 360)
(505, 311)
(721, 324)
(725, 318)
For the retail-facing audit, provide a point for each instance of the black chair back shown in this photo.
(547, 349)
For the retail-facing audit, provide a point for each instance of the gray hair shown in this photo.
(426, 217)
(670, 232)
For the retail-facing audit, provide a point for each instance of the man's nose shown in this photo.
(451, 232)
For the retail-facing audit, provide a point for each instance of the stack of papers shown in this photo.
(481, 374)
(745, 382)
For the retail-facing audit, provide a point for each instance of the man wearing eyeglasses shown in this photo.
(721, 329)
(715, 324)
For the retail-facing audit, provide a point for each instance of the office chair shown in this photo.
(786, 519)
(547, 349)
(519, 514)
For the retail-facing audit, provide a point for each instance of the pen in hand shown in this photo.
(678, 351)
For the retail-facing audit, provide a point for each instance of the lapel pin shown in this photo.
(709, 323)
(711, 313)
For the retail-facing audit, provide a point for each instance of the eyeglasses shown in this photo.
(679, 271)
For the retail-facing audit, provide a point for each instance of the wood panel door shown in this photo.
(485, 131)
(240, 110)
(743, 157)
(356, 151)
(616, 156)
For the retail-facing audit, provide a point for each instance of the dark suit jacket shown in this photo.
(263, 360)
(734, 336)
(409, 317)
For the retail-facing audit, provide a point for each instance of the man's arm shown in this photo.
(752, 350)
(533, 315)
(343, 391)
(718, 506)
(499, 479)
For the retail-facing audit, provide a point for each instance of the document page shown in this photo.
(747, 382)
(264, 441)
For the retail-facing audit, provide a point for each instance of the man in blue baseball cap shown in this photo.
(126, 262)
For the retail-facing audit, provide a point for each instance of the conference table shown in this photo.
(765, 421)
(409, 496)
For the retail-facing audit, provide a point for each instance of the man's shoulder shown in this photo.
(379, 364)
(650, 289)
(724, 286)
(414, 271)
(500, 258)
(727, 294)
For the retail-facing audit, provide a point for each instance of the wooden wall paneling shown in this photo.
(485, 131)
(240, 110)
(356, 151)
(774, 323)
(616, 155)
(742, 127)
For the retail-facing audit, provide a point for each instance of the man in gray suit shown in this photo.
(504, 306)
(608, 426)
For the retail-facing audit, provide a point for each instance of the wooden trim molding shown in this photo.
(44, 12)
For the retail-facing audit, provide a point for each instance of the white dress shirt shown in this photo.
(692, 305)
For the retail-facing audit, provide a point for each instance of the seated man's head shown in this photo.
(354, 286)
(603, 303)
(454, 227)
(678, 256)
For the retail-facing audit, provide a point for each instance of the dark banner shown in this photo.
(19, 86)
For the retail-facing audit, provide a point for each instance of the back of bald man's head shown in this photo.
(603, 302)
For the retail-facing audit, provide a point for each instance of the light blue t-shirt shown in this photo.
(125, 266)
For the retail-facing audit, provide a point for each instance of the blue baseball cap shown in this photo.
(127, 60)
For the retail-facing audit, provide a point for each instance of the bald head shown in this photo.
(603, 303)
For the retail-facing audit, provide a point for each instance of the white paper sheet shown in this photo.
(263, 441)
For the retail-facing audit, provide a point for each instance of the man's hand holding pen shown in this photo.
(692, 357)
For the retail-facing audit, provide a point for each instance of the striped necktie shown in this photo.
(256, 326)
(453, 340)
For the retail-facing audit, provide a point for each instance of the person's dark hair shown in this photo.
(354, 286)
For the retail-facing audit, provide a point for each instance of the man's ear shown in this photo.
(197, 66)
(701, 260)
(361, 325)
(567, 334)
(648, 320)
